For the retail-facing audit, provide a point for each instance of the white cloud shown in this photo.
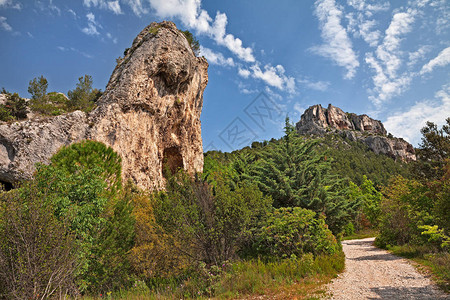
(299, 108)
(113, 39)
(407, 124)
(4, 25)
(64, 49)
(388, 59)
(368, 8)
(274, 76)
(74, 14)
(419, 54)
(337, 46)
(441, 60)
(216, 58)
(114, 6)
(244, 73)
(191, 14)
(314, 85)
(10, 4)
(53, 7)
(91, 29)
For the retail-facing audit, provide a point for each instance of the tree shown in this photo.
(39, 98)
(38, 88)
(88, 155)
(293, 174)
(83, 184)
(83, 97)
(433, 151)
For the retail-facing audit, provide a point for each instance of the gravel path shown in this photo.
(372, 273)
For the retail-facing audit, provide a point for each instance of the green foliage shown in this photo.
(354, 160)
(215, 221)
(5, 114)
(83, 97)
(436, 235)
(82, 183)
(39, 99)
(111, 270)
(89, 155)
(193, 42)
(433, 151)
(36, 250)
(293, 232)
(15, 107)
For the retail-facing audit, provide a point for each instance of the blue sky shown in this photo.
(268, 59)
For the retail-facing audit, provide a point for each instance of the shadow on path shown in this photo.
(413, 293)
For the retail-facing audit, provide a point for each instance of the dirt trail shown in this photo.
(372, 273)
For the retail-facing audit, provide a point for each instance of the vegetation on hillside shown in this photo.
(258, 220)
(83, 97)
(415, 212)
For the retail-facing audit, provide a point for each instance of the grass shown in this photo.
(435, 263)
(366, 233)
(283, 279)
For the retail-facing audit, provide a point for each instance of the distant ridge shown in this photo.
(317, 120)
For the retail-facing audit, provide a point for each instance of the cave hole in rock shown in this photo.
(6, 186)
(172, 160)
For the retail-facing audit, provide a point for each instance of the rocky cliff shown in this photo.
(149, 114)
(317, 120)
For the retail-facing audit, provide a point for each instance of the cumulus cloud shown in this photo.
(244, 73)
(193, 16)
(91, 29)
(407, 124)
(4, 25)
(337, 45)
(441, 60)
(274, 76)
(215, 58)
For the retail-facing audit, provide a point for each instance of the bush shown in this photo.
(15, 107)
(82, 183)
(295, 231)
(36, 250)
(83, 97)
(213, 220)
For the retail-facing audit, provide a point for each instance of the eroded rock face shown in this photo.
(319, 121)
(149, 114)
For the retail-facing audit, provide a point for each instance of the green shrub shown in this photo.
(83, 97)
(37, 253)
(193, 42)
(293, 232)
(213, 220)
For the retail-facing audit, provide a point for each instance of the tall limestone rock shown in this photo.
(317, 120)
(149, 114)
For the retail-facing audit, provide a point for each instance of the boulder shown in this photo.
(149, 114)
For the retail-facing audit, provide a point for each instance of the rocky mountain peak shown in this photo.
(317, 120)
(149, 114)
